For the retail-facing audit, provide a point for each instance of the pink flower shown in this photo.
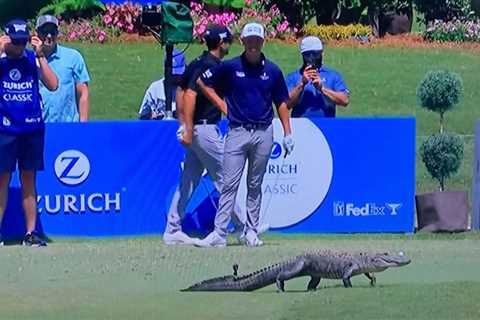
(107, 19)
(72, 35)
(101, 36)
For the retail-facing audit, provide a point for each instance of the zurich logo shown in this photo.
(276, 151)
(72, 167)
(15, 74)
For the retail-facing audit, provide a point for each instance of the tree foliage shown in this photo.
(439, 91)
(442, 154)
(72, 8)
(444, 10)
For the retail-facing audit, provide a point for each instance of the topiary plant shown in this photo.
(442, 153)
(440, 91)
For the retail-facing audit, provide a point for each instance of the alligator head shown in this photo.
(380, 261)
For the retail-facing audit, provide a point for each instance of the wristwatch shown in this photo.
(40, 55)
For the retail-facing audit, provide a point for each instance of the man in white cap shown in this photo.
(71, 102)
(250, 84)
(314, 89)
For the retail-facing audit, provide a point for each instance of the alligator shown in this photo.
(320, 264)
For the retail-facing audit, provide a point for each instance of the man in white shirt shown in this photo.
(154, 101)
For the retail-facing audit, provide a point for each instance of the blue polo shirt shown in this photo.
(314, 103)
(70, 68)
(249, 90)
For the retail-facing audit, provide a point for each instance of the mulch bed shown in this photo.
(410, 40)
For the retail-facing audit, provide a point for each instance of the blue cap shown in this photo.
(178, 64)
(216, 33)
(17, 30)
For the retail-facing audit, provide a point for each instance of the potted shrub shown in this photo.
(442, 154)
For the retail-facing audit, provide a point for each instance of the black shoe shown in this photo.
(33, 240)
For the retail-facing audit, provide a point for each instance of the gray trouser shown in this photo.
(241, 145)
(206, 151)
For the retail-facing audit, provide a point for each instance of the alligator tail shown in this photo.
(249, 282)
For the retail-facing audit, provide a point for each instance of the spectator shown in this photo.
(22, 128)
(71, 102)
(314, 89)
(153, 106)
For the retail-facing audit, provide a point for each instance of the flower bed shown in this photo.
(456, 30)
(117, 20)
(339, 32)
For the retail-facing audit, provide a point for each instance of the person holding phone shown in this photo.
(22, 129)
(314, 89)
(71, 102)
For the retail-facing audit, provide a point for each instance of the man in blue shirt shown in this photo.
(71, 102)
(22, 128)
(250, 84)
(314, 89)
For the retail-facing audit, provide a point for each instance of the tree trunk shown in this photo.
(348, 16)
(325, 11)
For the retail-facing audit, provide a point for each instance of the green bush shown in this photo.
(70, 9)
(439, 91)
(442, 154)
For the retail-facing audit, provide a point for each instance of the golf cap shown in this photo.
(216, 33)
(17, 30)
(42, 20)
(253, 30)
(311, 43)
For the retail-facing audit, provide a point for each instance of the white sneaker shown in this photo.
(212, 240)
(240, 234)
(251, 239)
(178, 237)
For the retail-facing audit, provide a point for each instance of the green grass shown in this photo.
(141, 278)
(383, 82)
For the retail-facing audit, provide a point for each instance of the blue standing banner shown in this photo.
(118, 178)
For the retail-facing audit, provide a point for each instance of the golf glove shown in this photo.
(180, 132)
(288, 144)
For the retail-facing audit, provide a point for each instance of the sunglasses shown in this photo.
(51, 30)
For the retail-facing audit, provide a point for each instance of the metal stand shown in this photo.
(476, 181)
(168, 83)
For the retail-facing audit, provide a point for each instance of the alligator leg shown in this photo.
(373, 279)
(289, 274)
(312, 285)
(347, 275)
(235, 269)
(347, 283)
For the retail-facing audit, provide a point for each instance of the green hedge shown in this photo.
(25, 9)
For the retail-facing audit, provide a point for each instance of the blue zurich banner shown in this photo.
(118, 178)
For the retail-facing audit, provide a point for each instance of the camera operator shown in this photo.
(314, 89)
